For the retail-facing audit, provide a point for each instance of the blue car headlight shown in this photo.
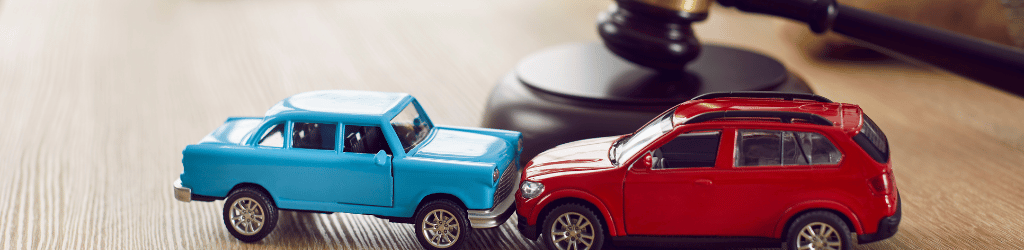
(494, 176)
(531, 189)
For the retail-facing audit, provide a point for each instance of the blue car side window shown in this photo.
(273, 137)
(365, 139)
(313, 135)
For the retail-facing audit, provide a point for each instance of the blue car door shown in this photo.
(364, 175)
(320, 171)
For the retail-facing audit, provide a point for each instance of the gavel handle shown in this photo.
(998, 66)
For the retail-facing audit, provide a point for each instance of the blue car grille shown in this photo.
(505, 184)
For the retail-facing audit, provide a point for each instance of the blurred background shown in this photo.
(98, 98)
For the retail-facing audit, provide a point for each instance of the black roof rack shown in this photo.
(785, 116)
(763, 94)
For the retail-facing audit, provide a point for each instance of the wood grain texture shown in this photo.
(98, 98)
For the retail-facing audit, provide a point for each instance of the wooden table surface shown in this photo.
(98, 98)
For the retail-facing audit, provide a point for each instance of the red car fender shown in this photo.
(817, 204)
(579, 194)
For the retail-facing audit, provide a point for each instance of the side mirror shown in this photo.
(645, 162)
(381, 158)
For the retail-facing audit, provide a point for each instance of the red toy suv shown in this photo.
(738, 169)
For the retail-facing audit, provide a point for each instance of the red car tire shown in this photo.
(573, 226)
(819, 230)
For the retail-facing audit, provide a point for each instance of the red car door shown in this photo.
(771, 173)
(675, 194)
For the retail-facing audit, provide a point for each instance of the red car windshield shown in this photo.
(632, 144)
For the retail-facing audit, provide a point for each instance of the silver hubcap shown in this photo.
(246, 216)
(818, 235)
(572, 231)
(441, 228)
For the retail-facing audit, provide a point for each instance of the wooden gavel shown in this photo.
(658, 34)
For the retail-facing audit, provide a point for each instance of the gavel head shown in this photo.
(653, 33)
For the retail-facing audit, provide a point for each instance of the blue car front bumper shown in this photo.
(500, 213)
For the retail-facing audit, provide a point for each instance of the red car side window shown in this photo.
(691, 150)
(818, 149)
(758, 148)
(778, 148)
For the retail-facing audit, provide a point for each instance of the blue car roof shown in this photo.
(367, 104)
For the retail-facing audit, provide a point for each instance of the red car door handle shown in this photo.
(704, 182)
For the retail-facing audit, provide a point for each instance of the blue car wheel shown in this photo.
(442, 224)
(249, 214)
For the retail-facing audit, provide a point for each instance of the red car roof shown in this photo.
(845, 116)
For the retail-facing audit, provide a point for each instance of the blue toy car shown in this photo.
(355, 152)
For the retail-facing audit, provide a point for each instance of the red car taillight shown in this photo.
(883, 183)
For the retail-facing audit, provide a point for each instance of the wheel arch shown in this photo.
(795, 212)
(439, 196)
(254, 186)
(558, 198)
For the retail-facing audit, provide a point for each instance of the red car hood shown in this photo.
(584, 155)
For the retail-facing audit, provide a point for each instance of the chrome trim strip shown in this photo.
(181, 193)
(497, 215)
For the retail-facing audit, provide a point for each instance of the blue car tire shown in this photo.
(249, 214)
(442, 224)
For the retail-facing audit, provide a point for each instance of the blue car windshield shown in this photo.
(410, 127)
